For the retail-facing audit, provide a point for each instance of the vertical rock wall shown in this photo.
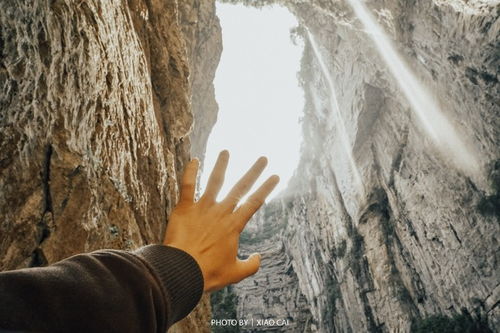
(94, 120)
(202, 33)
(202, 29)
(419, 237)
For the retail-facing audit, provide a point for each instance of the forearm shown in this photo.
(104, 291)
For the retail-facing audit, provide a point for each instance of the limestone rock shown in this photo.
(202, 29)
(420, 235)
(95, 113)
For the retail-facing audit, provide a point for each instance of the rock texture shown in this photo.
(95, 113)
(273, 292)
(420, 236)
(202, 30)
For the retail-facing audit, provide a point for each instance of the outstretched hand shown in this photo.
(209, 230)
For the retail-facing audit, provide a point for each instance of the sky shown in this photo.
(260, 101)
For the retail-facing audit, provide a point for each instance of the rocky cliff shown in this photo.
(381, 226)
(202, 31)
(95, 113)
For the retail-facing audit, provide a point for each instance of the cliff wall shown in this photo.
(98, 100)
(95, 117)
(417, 235)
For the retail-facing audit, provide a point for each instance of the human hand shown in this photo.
(209, 230)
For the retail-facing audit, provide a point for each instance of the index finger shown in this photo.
(188, 187)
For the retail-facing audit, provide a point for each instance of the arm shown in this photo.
(103, 291)
(150, 289)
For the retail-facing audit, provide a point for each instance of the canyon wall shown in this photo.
(98, 100)
(417, 235)
(203, 36)
(95, 113)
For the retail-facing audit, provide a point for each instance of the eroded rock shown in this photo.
(95, 103)
(419, 237)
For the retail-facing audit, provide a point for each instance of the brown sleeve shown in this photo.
(104, 291)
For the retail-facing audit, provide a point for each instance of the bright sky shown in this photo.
(259, 98)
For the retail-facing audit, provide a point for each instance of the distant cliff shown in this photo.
(419, 236)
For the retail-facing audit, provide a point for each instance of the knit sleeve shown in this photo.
(180, 276)
(104, 291)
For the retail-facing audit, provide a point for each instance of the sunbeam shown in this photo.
(423, 104)
(339, 121)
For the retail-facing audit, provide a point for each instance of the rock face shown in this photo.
(97, 104)
(273, 292)
(417, 235)
(95, 113)
(202, 30)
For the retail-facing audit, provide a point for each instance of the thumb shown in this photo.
(248, 267)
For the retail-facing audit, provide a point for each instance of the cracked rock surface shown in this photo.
(95, 117)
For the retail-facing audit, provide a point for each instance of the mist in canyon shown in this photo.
(388, 219)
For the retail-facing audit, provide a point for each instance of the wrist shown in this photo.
(179, 275)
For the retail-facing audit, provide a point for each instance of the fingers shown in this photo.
(188, 187)
(216, 179)
(247, 267)
(245, 183)
(255, 201)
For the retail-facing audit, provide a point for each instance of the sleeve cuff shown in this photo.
(180, 276)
